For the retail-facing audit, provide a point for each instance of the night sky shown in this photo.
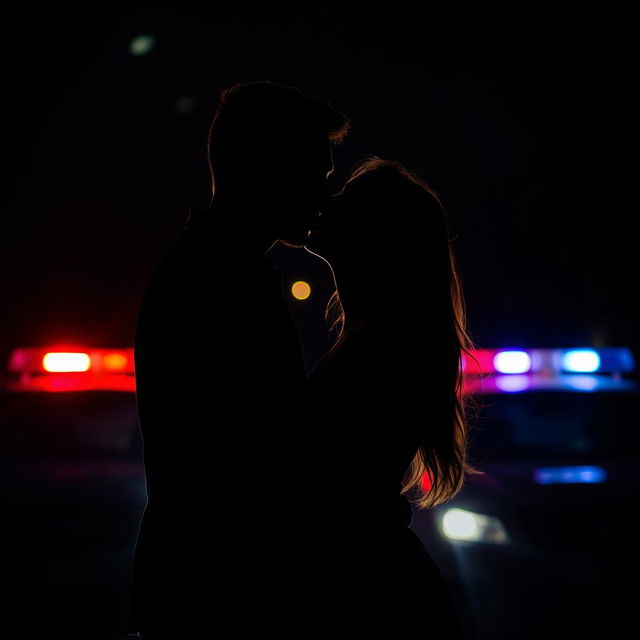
(518, 115)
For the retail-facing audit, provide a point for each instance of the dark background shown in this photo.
(518, 114)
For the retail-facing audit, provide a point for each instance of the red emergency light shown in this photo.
(69, 368)
(425, 482)
(65, 362)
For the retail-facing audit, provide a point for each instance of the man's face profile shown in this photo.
(306, 190)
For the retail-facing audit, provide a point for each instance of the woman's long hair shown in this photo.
(442, 452)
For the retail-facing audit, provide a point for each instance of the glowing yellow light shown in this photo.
(58, 362)
(114, 362)
(300, 290)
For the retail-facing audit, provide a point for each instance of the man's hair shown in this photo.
(257, 116)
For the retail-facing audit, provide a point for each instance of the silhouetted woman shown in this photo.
(386, 404)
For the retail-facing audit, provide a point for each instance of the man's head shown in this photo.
(271, 146)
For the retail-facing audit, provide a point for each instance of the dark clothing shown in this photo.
(298, 263)
(218, 366)
(368, 404)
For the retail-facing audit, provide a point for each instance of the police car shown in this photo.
(71, 490)
(71, 403)
(543, 543)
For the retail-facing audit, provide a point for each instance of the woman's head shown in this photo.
(387, 238)
(383, 233)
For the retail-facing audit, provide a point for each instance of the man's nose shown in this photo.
(330, 170)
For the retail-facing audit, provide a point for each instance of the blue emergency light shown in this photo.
(570, 475)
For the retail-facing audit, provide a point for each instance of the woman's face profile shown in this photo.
(349, 223)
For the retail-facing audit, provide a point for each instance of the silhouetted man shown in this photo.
(218, 368)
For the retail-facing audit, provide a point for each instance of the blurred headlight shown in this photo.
(458, 524)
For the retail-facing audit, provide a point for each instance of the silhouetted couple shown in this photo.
(277, 504)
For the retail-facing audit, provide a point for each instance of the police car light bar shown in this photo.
(65, 368)
(60, 362)
(553, 361)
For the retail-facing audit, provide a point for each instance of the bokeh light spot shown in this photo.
(185, 105)
(114, 362)
(141, 45)
(300, 290)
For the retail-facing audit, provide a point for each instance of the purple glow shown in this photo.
(512, 384)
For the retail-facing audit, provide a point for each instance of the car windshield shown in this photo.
(556, 425)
